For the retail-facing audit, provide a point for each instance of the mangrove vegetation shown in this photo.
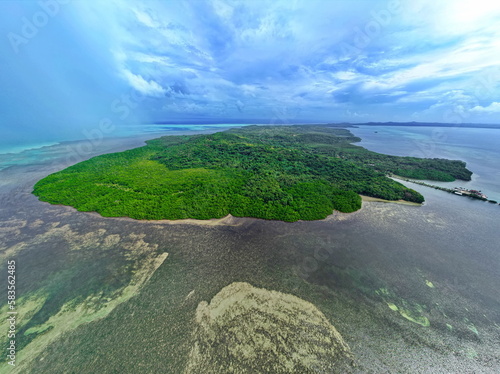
(288, 173)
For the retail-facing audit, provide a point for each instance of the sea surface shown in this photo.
(78, 150)
(478, 147)
(119, 132)
(412, 289)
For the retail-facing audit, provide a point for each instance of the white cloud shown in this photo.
(150, 88)
(150, 58)
(463, 16)
(346, 75)
(223, 10)
(287, 54)
(470, 57)
(145, 18)
(492, 108)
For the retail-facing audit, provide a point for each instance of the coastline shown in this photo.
(228, 220)
(478, 147)
(376, 199)
(306, 259)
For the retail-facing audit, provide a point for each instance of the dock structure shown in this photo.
(472, 193)
(475, 194)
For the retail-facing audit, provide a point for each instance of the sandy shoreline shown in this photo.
(228, 220)
(372, 199)
(231, 220)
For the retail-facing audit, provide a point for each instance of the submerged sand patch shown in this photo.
(142, 256)
(245, 329)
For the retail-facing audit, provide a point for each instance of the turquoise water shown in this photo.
(18, 148)
(29, 153)
(479, 148)
(122, 131)
(169, 128)
(349, 265)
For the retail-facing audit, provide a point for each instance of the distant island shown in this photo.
(288, 173)
(431, 124)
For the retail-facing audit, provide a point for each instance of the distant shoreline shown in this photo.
(431, 124)
(343, 124)
(19, 149)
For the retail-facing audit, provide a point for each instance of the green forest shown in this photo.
(288, 173)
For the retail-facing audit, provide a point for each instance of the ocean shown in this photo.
(410, 288)
(78, 150)
(478, 147)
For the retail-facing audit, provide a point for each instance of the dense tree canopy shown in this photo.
(272, 172)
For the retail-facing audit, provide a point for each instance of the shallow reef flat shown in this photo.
(401, 284)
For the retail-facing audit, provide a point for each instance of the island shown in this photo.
(287, 173)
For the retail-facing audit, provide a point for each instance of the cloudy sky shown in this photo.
(69, 64)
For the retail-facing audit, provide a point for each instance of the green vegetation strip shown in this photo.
(284, 173)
